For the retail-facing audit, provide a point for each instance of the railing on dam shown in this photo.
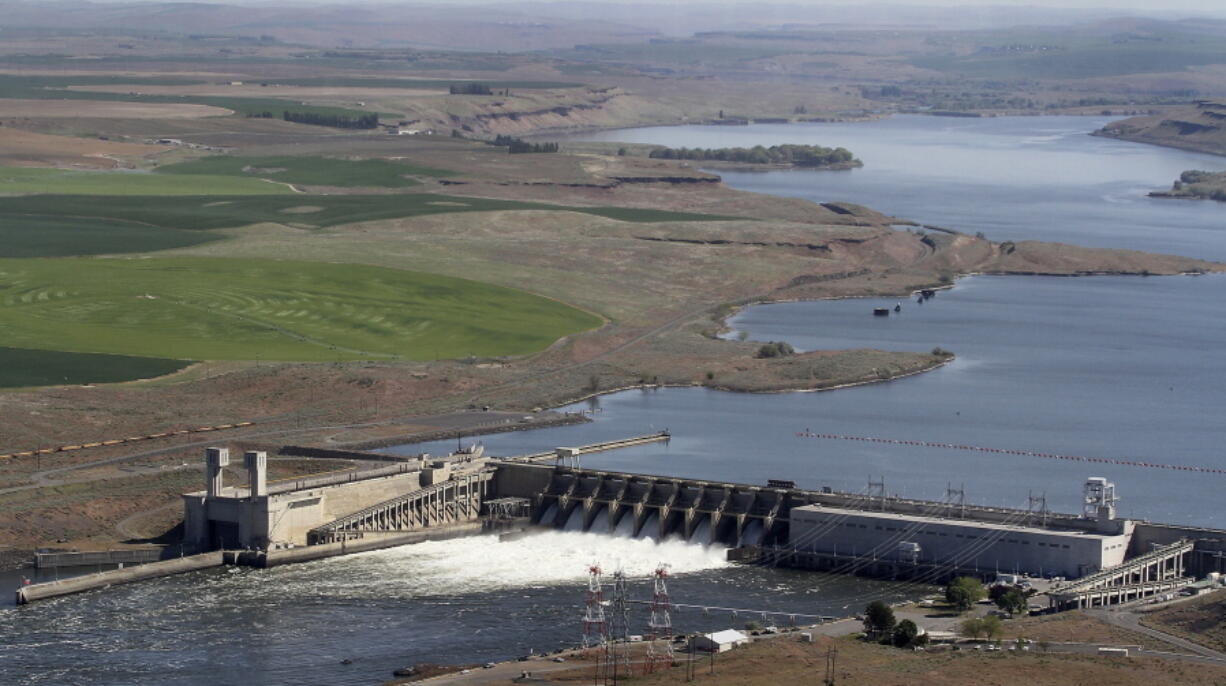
(1158, 571)
(592, 448)
(455, 500)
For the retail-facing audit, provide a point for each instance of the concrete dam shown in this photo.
(392, 500)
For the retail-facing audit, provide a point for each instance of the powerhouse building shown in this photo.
(965, 543)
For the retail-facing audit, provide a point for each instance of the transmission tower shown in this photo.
(595, 628)
(661, 624)
(617, 657)
(956, 496)
(877, 487)
(1038, 503)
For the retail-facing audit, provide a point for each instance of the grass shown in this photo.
(54, 88)
(310, 171)
(28, 180)
(318, 211)
(42, 236)
(25, 367)
(1079, 63)
(202, 308)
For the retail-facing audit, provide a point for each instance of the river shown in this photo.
(1012, 178)
(1104, 367)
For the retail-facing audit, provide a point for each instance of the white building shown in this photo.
(936, 540)
(719, 642)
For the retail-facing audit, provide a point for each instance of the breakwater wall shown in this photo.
(54, 589)
(242, 558)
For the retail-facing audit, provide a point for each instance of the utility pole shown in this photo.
(832, 653)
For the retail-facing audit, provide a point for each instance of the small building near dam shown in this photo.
(918, 539)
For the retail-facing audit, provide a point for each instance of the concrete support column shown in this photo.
(256, 462)
(214, 460)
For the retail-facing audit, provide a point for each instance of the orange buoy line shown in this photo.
(1023, 453)
(119, 441)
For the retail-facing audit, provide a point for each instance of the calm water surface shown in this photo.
(1013, 178)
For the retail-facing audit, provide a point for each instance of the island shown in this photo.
(1196, 184)
(787, 155)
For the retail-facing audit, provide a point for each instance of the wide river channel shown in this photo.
(1112, 367)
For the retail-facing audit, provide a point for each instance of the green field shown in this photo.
(54, 88)
(308, 171)
(25, 367)
(26, 180)
(202, 308)
(318, 211)
(40, 236)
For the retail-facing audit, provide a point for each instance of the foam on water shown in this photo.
(484, 563)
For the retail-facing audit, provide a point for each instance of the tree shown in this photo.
(964, 592)
(972, 628)
(878, 619)
(905, 634)
(992, 626)
(1012, 601)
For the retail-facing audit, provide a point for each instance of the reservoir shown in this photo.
(1011, 178)
(1103, 367)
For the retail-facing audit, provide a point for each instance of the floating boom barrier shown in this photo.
(120, 441)
(1021, 453)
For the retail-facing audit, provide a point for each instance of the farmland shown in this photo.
(309, 171)
(25, 180)
(317, 211)
(42, 236)
(26, 367)
(251, 309)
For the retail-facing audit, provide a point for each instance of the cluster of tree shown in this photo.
(988, 626)
(964, 592)
(515, 145)
(473, 88)
(1011, 599)
(776, 349)
(880, 625)
(798, 155)
(339, 121)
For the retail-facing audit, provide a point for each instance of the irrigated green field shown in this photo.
(201, 308)
(29, 180)
(309, 171)
(40, 236)
(25, 367)
(217, 212)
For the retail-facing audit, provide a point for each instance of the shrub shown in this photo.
(776, 349)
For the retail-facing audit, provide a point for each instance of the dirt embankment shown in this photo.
(1202, 620)
(1200, 127)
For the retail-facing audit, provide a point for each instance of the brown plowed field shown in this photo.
(27, 149)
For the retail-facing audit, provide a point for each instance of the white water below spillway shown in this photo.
(484, 563)
(625, 524)
(651, 527)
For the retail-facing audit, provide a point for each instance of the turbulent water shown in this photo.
(1101, 367)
